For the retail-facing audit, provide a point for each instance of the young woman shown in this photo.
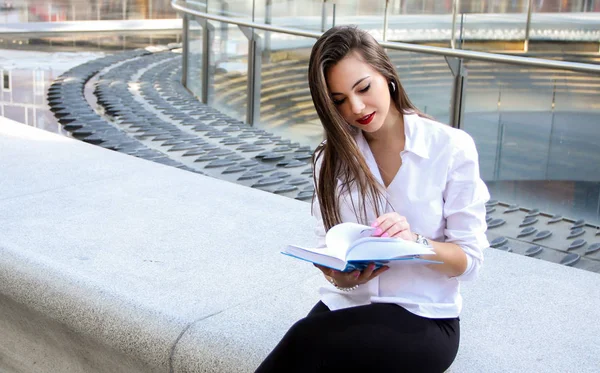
(385, 164)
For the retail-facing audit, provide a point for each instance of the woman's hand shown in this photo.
(393, 224)
(356, 277)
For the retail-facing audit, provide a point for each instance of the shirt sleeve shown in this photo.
(316, 211)
(464, 205)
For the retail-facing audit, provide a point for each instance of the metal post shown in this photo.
(207, 31)
(186, 49)
(551, 131)
(323, 15)
(124, 9)
(254, 75)
(457, 104)
(333, 18)
(385, 19)
(268, 20)
(500, 137)
(453, 35)
(528, 25)
(224, 30)
(461, 39)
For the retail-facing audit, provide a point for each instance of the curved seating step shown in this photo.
(167, 121)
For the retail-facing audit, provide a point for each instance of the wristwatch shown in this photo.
(422, 240)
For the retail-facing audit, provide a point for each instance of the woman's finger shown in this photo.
(366, 273)
(396, 229)
(354, 275)
(387, 222)
(378, 272)
(382, 219)
(383, 227)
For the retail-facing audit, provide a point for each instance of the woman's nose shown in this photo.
(357, 105)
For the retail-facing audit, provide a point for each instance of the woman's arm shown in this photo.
(453, 257)
(464, 199)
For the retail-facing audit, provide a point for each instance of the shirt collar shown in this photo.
(416, 139)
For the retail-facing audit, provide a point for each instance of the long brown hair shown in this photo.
(341, 158)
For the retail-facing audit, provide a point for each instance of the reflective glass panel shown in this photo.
(427, 81)
(286, 107)
(537, 135)
(228, 69)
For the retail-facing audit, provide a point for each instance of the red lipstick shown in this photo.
(366, 119)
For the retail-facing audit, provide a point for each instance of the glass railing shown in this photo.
(472, 21)
(535, 121)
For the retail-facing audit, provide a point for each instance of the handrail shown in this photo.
(447, 52)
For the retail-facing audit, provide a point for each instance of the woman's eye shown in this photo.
(365, 89)
(338, 102)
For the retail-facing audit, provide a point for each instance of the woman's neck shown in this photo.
(391, 133)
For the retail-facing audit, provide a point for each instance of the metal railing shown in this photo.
(455, 58)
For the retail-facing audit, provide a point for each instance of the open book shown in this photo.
(350, 246)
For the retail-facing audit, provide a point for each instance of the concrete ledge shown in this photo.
(38, 343)
(110, 263)
(127, 253)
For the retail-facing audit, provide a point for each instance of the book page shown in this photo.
(340, 237)
(379, 248)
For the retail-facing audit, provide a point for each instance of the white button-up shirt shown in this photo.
(439, 191)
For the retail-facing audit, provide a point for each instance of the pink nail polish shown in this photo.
(377, 232)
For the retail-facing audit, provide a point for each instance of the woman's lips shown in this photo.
(366, 119)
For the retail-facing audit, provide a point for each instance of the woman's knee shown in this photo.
(303, 330)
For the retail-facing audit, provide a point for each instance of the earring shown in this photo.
(392, 86)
